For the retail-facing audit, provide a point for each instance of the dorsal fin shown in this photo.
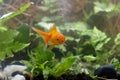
(53, 29)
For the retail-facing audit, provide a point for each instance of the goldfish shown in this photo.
(51, 38)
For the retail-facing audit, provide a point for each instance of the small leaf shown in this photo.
(3, 29)
(45, 73)
(103, 7)
(16, 46)
(99, 39)
(13, 14)
(7, 36)
(89, 58)
(69, 38)
(23, 35)
(117, 39)
(7, 49)
(42, 55)
(64, 65)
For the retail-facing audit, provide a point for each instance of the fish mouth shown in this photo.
(62, 40)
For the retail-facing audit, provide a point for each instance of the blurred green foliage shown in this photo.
(12, 41)
(13, 14)
(44, 62)
(85, 46)
(92, 45)
(1, 0)
(8, 44)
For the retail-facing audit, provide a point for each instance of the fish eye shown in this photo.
(57, 39)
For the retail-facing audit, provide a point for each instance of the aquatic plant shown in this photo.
(9, 43)
(84, 40)
(13, 14)
(44, 63)
(12, 41)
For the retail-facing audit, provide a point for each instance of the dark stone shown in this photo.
(106, 71)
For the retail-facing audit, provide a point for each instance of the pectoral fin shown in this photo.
(51, 47)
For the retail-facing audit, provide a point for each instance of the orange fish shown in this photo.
(51, 38)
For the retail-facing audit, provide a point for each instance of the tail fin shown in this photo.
(40, 32)
(45, 35)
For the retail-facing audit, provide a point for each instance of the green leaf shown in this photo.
(7, 36)
(69, 38)
(46, 74)
(16, 46)
(99, 39)
(8, 45)
(116, 63)
(13, 14)
(6, 49)
(3, 29)
(63, 66)
(117, 39)
(40, 59)
(89, 58)
(78, 26)
(103, 7)
(42, 55)
(23, 36)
